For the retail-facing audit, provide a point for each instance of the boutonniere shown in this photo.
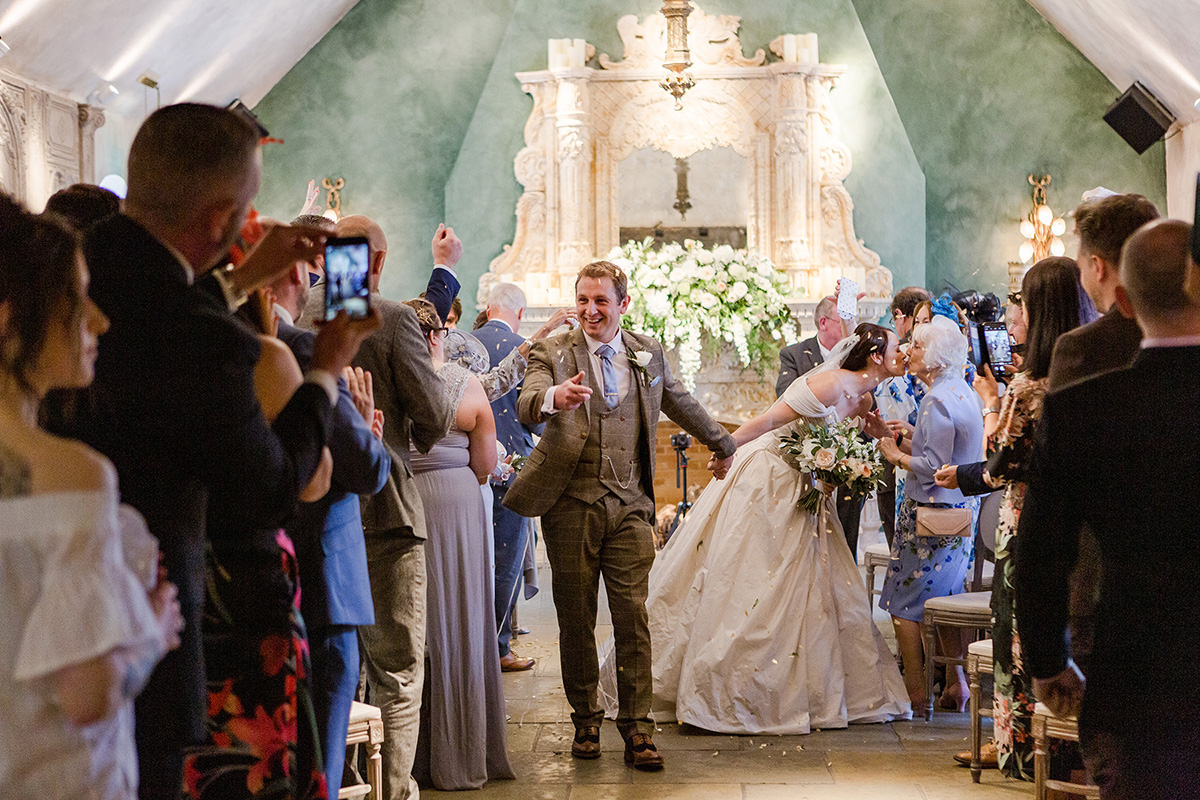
(640, 360)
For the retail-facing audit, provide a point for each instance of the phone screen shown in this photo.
(999, 346)
(347, 261)
(847, 299)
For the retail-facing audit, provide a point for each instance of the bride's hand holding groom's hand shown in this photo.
(719, 467)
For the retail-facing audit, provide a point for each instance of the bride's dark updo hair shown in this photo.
(37, 281)
(872, 339)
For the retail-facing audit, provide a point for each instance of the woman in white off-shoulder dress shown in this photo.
(759, 620)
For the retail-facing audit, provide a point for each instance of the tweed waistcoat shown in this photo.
(609, 460)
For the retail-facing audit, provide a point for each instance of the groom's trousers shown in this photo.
(583, 542)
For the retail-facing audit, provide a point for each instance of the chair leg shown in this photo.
(375, 772)
(1041, 760)
(927, 632)
(870, 584)
(976, 722)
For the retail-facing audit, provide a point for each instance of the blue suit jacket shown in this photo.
(499, 341)
(328, 534)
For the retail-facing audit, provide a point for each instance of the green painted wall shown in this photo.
(947, 106)
(989, 92)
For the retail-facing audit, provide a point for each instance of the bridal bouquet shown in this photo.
(688, 296)
(837, 456)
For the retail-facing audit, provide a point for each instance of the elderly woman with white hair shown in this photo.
(934, 542)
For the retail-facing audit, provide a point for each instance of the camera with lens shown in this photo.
(681, 441)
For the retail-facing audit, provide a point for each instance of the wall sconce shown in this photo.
(102, 94)
(1041, 228)
(677, 58)
(333, 201)
(4, 48)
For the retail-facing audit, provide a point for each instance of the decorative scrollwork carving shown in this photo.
(530, 168)
(571, 144)
(835, 162)
(712, 41)
(791, 139)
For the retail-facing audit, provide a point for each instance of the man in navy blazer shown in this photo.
(335, 592)
(505, 307)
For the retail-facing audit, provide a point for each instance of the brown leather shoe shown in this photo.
(587, 742)
(514, 663)
(640, 753)
(989, 757)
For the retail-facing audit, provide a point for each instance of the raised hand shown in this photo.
(874, 426)
(571, 393)
(447, 248)
(986, 386)
(361, 389)
(560, 318)
(338, 340)
(276, 253)
(310, 200)
(377, 425)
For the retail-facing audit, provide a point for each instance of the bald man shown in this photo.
(1117, 452)
(416, 413)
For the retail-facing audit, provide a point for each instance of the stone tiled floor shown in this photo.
(897, 761)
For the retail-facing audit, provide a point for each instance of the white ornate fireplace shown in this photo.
(777, 116)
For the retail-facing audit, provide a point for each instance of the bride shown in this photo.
(759, 620)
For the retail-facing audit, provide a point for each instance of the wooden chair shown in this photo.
(875, 556)
(1046, 726)
(969, 610)
(979, 663)
(366, 727)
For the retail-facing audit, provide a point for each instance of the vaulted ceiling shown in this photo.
(217, 50)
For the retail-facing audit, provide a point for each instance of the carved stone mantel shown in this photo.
(777, 115)
(47, 141)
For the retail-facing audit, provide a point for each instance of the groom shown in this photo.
(599, 391)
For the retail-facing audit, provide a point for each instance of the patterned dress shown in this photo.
(262, 734)
(1013, 699)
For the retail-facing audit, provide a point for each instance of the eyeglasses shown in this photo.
(897, 313)
(313, 279)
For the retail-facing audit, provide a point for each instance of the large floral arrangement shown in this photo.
(837, 456)
(692, 298)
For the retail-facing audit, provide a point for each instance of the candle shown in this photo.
(810, 46)
(789, 48)
(578, 53)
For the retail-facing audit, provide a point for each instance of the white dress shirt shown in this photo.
(620, 363)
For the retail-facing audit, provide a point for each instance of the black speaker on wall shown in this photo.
(1139, 118)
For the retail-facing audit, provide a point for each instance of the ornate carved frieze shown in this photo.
(585, 121)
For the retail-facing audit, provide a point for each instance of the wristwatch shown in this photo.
(991, 410)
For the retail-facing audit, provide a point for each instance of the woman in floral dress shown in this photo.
(1051, 300)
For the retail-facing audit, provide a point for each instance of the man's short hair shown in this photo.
(315, 221)
(907, 299)
(606, 269)
(1155, 267)
(1103, 225)
(507, 296)
(186, 155)
(83, 204)
(827, 307)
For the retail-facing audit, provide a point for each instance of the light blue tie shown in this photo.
(611, 395)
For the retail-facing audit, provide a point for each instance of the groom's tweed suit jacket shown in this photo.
(552, 361)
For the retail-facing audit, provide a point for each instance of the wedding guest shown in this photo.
(896, 394)
(83, 205)
(173, 403)
(799, 358)
(463, 741)
(948, 431)
(1116, 453)
(85, 611)
(328, 535)
(1051, 306)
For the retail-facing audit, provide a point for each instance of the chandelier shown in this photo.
(1041, 228)
(677, 58)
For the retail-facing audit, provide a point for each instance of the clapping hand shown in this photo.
(875, 427)
(947, 477)
(561, 317)
(571, 393)
(447, 248)
(358, 381)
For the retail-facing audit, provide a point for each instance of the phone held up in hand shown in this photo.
(847, 299)
(347, 262)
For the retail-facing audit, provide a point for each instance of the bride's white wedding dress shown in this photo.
(759, 619)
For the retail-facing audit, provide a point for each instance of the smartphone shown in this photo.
(976, 350)
(997, 344)
(347, 261)
(847, 299)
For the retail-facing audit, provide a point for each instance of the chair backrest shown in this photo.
(985, 535)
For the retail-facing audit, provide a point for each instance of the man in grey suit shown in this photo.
(799, 358)
(600, 390)
(409, 393)
(1109, 343)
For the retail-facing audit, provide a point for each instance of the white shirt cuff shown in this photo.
(233, 297)
(548, 408)
(448, 269)
(326, 381)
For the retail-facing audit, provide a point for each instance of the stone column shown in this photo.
(793, 250)
(576, 193)
(90, 118)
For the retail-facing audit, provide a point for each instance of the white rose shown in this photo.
(724, 253)
(707, 273)
(738, 291)
(824, 458)
(707, 300)
(641, 358)
(704, 257)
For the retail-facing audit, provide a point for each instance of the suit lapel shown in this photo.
(637, 378)
(583, 364)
